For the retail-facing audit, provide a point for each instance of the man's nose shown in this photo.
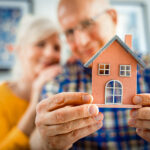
(82, 38)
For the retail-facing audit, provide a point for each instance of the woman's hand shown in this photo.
(46, 75)
(140, 118)
(27, 122)
(64, 118)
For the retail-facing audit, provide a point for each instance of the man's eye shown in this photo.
(57, 47)
(87, 23)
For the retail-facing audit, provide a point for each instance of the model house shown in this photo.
(114, 74)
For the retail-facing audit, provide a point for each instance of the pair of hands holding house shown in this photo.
(64, 118)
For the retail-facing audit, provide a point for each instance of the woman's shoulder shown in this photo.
(4, 95)
(5, 92)
(3, 87)
(10, 105)
(7, 95)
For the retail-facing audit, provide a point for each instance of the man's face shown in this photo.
(84, 35)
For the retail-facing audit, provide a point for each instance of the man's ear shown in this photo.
(113, 14)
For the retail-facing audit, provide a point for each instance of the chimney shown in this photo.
(128, 40)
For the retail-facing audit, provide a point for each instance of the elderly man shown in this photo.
(63, 119)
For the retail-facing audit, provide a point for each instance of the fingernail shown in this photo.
(99, 125)
(93, 110)
(134, 113)
(98, 117)
(137, 100)
(132, 122)
(87, 98)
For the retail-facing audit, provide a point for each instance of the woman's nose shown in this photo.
(48, 51)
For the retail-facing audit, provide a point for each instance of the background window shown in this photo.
(10, 14)
(125, 70)
(103, 69)
(133, 18)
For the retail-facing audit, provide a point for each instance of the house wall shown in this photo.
(115, 55)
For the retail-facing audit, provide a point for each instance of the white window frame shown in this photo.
(113, 95)
(99, 69)
(125, 70)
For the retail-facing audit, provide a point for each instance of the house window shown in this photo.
(113, 92)
(103, 69)
(125, 70)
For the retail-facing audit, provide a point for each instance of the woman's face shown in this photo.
(40, 55)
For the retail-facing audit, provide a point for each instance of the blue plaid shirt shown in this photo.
(146, 74)
(115, 133)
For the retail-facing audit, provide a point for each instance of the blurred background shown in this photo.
(134, 18)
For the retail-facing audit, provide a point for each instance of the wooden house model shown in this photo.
(114, 74)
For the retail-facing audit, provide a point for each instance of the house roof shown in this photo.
(123, 44)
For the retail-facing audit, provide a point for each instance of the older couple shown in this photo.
(69, 119)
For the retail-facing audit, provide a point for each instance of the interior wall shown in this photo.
(146, 3)
(46, 8)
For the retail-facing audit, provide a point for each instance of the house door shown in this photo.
(113, 92)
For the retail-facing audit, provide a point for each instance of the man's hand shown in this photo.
(140, 118)
(64, 118)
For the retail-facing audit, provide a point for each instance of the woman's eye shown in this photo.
(40, 44)
(57, 47)
(69, 32)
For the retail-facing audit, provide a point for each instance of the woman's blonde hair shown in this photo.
(31, 30)
(34, 28)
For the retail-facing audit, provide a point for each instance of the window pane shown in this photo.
(106, 71)
(109, 99)
(128, 67)
(117, 84)
(101, 71)
(118, 92)
(106, 66)
(127, 73)
(109, 92)
(122, 67)
(110, 84)
(101, 66)
(122, 73)
(117, 99)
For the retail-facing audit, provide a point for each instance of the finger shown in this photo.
(142, 113)
(68, 147)
(51, 69)
(55, 69)
(51, 73)
(74, 136)
(145, 134)
(63, 99)
(142, 99)
(144, 124)
(67, 114)
(72, 125)
(80, 133)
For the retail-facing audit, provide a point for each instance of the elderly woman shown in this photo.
(38, 55)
